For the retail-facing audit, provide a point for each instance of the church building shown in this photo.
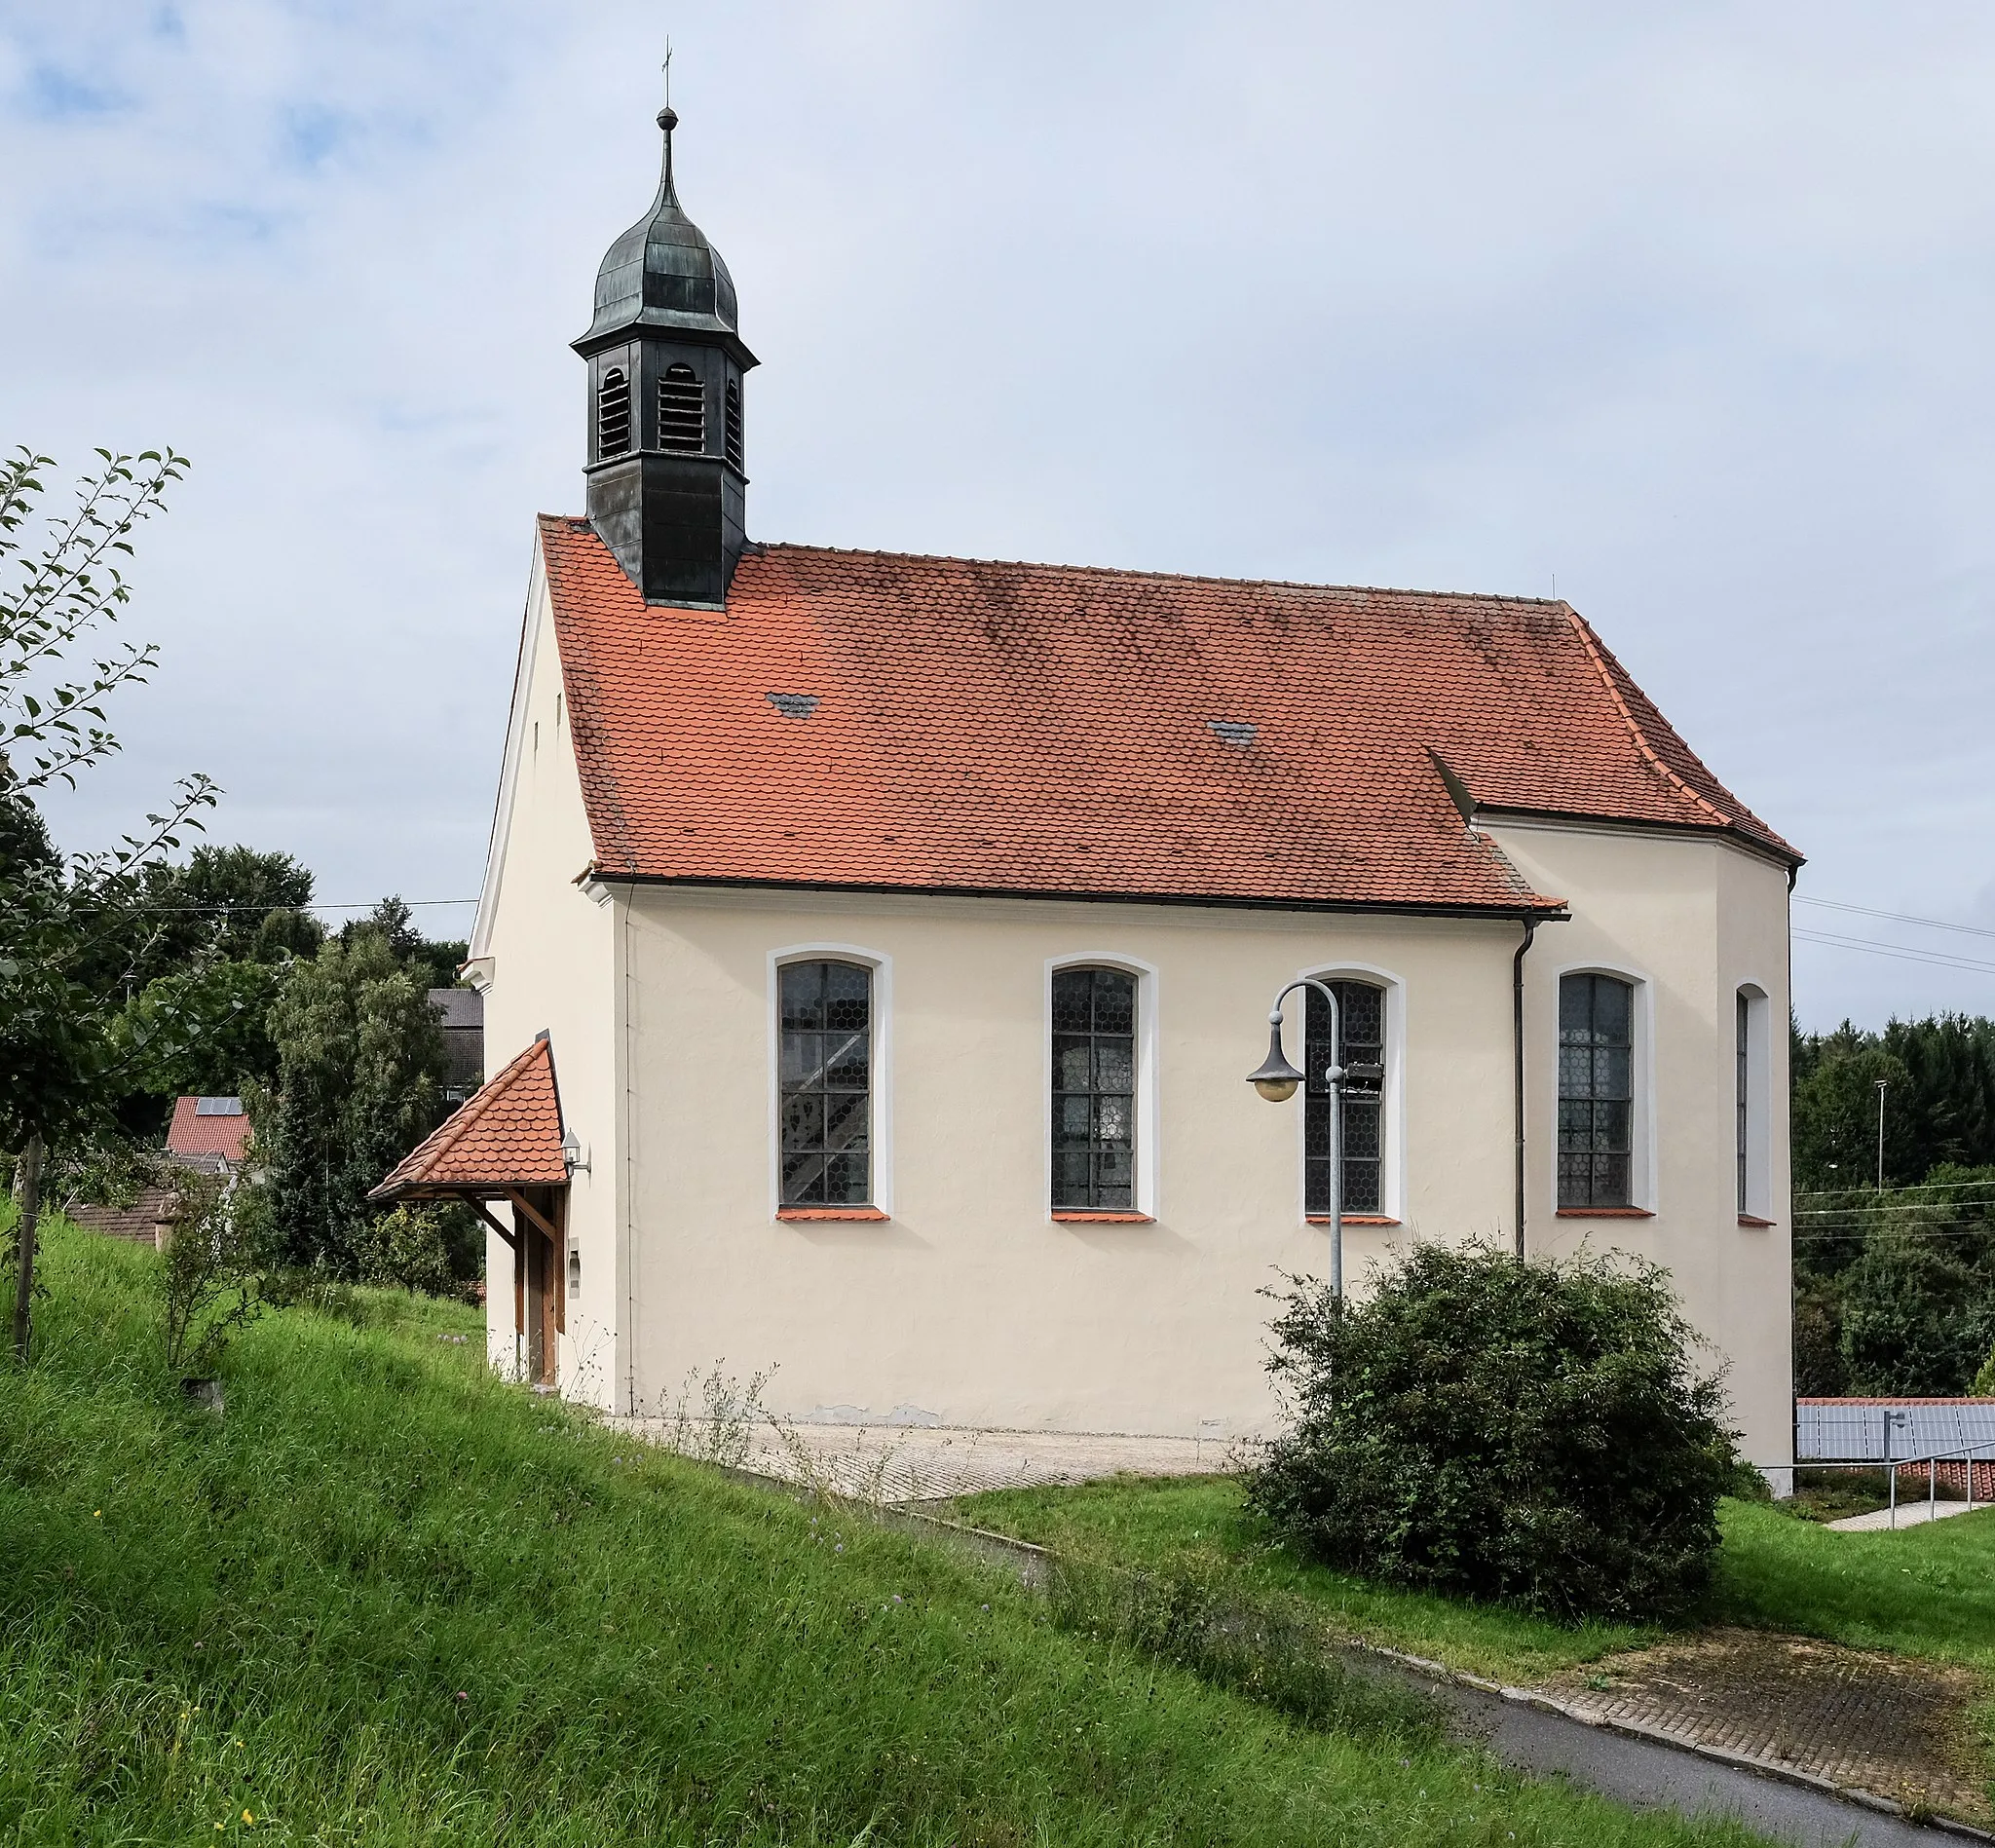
(874, 949)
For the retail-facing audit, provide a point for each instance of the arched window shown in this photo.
(1596, 1091)
(826, 1083)
(1094, 1090)
(1361, 1020)
(612, 413)
(732, 422)
(682, 411)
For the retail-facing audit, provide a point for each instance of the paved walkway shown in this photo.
(1908, 1514)
(903, 1463)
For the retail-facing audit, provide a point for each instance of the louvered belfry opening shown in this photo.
(682, 411)
(663, 409)
(732, 422)
(612, 413)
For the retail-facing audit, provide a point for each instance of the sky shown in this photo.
(1681, 312)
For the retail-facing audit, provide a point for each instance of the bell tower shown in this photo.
(666, 483)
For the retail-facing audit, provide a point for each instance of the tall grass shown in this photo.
(386, 1599)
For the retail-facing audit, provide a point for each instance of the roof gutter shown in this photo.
(596, 880)
(1530, 921)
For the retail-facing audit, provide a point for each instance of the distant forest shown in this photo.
(1895, 1287)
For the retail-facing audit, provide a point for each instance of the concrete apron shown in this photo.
(1531, 1732)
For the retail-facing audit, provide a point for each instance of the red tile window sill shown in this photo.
(1061, 1216)
(831, 1211)
(1354, 1219)
(1604, 1212)
(1755, 1222)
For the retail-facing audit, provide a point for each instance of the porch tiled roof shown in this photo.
(876, 720)
(505, 1135)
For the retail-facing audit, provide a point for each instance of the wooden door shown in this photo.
(542, 1349)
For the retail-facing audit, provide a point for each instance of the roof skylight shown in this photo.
(794, 705)
(1232, 730)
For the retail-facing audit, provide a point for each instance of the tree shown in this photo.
(205, 1030)
(436, 963)
(232, 903)
(1835, 1114)
(1533, 1432)
(1915, 1320)
(71, 935)
(360, 1066)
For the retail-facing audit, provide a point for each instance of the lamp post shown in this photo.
(1277, 1079)
(1883, 1085)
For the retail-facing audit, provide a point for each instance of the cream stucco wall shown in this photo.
(971, 1304)
(546, 953)
(1691, 920)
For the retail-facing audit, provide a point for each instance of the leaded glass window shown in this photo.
(1742, 1104)
(1094, 1090)
(1595, 1090)
(1361, 1022)
(826, 1078)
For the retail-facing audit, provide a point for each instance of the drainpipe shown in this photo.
(1531, 931)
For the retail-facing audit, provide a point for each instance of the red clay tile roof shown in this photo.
(1005, 727)
(506, 1135)
(192, 1134)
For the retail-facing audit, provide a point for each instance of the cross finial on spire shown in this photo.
(668, 120)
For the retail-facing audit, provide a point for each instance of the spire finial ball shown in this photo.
(668, 118)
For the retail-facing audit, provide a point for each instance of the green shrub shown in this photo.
(407, 1249)
(1527, 1432)
(209, 1281)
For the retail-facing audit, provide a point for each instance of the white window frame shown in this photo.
(1147, 1165)
(1759, 1202)
(1641, 1117)
(1392, 1098)
(879, 1120)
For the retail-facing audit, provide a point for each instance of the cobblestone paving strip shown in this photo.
(1895, 1728)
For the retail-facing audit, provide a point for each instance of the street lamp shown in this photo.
(1277, 1079)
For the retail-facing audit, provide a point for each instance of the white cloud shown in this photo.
(1687, 306)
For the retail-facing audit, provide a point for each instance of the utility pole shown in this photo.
(1883, 1085)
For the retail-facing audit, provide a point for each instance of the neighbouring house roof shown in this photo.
(881, 721)
(138, 1221)
(461, 1015)
(1883, 1430)
(508, 1135)
(458, 1009)
(204, 1128)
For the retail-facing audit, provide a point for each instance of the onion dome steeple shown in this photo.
(665, 363)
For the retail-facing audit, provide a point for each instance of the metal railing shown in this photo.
(1968, 1450)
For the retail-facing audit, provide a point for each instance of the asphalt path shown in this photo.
(1647, 1774)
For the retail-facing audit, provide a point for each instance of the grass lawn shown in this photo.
(1926, 1591)
(386, 1599)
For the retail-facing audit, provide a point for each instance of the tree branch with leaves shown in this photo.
(75, 931)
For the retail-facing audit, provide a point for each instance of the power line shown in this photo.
(1895, 917)
(1810, 1238)
(258, 911)
(1939, 959)
(1911, 1186)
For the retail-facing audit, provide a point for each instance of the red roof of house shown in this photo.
(979, 726)
(506, 1135)
(197, 1132)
